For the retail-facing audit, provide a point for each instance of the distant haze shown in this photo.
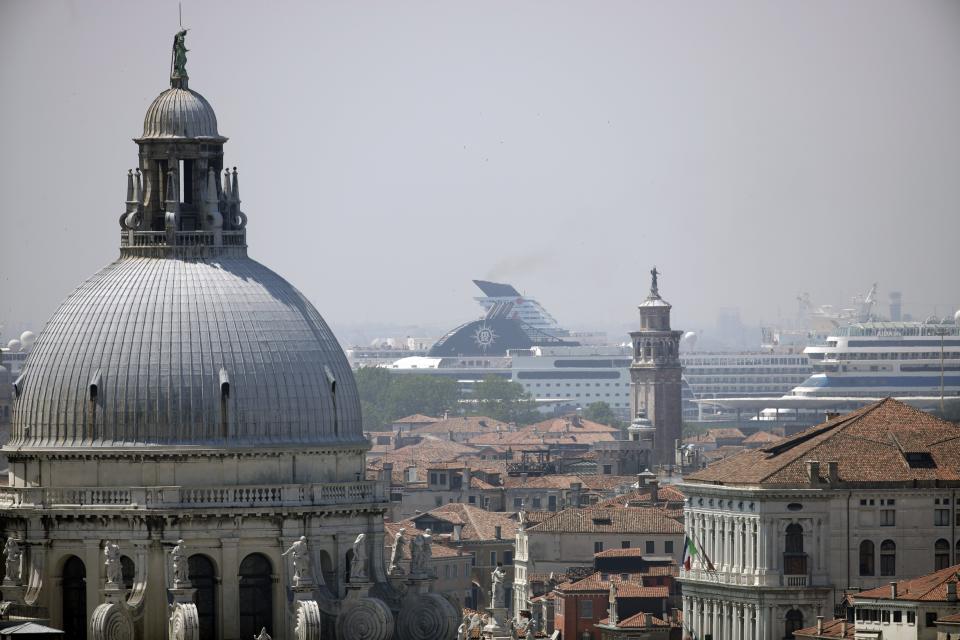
(391, 152)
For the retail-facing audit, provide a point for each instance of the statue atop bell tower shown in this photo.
(655, 387)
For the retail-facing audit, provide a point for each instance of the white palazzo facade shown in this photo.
(784, 533)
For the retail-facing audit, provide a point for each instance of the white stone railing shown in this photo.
(277, 495)
(794, 581)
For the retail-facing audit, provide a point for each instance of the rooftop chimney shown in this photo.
(833, 472)
(654, 491)
(457, 532)
(843, 629)
(819, 625)
(893, 590)
(813, 471)
(952, 591)
(497, 532)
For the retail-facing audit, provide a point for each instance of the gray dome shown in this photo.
(134, 357)
(180, 113)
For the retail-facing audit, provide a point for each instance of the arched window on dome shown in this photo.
(256, 596)
(73, 592)
(888, 558)
(866, 558)
(203, 577)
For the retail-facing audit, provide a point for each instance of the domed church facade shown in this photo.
(186, 456)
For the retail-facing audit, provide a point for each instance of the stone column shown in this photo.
(736, 623)
(694, 624)
(229, 588)
(715, 618)
(744, 544)
(748, 552)
(94, 581)
(739, 555)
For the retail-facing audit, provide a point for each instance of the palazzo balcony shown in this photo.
(194, 497)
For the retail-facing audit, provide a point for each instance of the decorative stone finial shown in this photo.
(178, 61)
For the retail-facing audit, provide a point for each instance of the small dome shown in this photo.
(640, 424)
(180, 113)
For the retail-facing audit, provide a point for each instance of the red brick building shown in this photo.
(583, 604)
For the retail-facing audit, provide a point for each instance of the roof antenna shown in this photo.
(180, 11)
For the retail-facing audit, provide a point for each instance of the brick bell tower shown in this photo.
(655, 374)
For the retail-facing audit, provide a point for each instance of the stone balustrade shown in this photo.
(333, 493)
(157, 243)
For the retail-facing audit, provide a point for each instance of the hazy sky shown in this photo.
(390, 152)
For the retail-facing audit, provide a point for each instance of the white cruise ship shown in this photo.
(862, 363)
(527, 310)
(880, 359)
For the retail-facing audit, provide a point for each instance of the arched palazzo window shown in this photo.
(794, 622)
(866, 558)
(74, 595)
(941, 554)
(203, 577)
(256, 596)
(888, 558)
(794, 558)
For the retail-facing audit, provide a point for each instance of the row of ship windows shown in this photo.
(744, 361)
(696, 380)
(886, 355)
(687, 371)
(575, 384)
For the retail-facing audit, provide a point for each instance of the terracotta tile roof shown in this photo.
(417, 418)
(638, 621)
(607, 520)
(951, 619)
(723, 452)
(478, 524)
(632, 587)
(526, 438)
(641, 497)
(831, 629)
(390, 529)
(540, 482)
(931, 587)
(463, 424)
(634, 552)
(427, 452)
(603, 482)
(726, 433)
(762, 437)
(571, 424)
(870, 445)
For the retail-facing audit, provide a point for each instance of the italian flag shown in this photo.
(689, 552)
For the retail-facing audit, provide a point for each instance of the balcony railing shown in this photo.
(333, 493)
(155, 243)
(794, 581)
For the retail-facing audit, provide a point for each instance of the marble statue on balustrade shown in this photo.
(14, 554)
(263, 635)
(358, 567)
(396, 553)
(111, 561)
(462, 630)
(497, 577)
(420, 554)
(300, 553)
(181, 567)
